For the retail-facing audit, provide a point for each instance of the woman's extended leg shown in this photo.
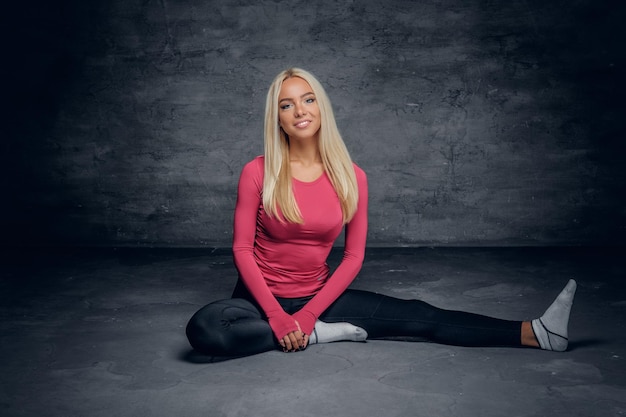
(383, 316)
(232, 327)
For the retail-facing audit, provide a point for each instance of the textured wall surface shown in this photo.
(478, 122)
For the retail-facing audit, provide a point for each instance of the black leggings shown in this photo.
(237, 326)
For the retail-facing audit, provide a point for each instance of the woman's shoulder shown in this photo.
(253, 171)
(255, 166)
(257, 161)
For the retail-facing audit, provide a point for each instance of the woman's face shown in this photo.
(298, 112)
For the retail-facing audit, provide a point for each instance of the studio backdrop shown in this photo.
(477, 122)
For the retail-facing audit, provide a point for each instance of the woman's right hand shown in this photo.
(294, 341)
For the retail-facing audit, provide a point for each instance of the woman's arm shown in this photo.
(354, 253)
(244, 232)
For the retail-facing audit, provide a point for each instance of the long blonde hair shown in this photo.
(277, 187)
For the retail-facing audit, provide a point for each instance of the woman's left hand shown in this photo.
(294, 341)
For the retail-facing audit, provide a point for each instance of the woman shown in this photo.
(292, 203)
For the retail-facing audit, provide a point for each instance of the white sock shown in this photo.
(551, 328)
(335, 332)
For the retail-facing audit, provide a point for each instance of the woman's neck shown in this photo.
(305, 155)
(305, 163)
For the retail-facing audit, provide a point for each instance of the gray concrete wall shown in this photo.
(478, 122)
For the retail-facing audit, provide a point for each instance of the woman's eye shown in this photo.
(309, 100)
(285, 106)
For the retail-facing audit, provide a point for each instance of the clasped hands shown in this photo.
(294, 341)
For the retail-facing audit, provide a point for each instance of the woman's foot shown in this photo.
(336, 332)
(551, 328)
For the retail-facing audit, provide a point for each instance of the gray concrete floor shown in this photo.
(101, 333)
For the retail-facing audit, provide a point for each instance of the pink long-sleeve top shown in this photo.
(288, 260)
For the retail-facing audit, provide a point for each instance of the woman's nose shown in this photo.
(299, 110)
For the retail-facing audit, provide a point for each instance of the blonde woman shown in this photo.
(292, 204)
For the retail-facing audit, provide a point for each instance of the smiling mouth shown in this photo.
(303, 124)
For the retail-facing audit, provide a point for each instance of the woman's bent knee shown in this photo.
(209, 329)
